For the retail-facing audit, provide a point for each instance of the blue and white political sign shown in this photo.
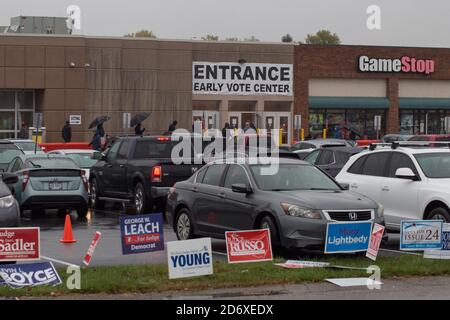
(189, 258)
(31, 274)
(347, 237)
(142, 233)
(421, 234)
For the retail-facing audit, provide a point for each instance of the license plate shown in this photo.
(55, 186)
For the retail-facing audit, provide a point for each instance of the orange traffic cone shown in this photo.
(68, 235)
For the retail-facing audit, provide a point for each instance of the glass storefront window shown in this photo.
(7, 100)
(423, 121)
(15, 107)
(25, 99)
(7, 120)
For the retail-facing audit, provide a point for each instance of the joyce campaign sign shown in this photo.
(347, 237)
(421, 234)
(242, 79)
(32, 274)
(189, 258)
(19, 244)
(142, 233)
(248, 246)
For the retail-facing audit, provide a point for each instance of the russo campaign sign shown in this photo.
(248, 246)
(347, 237)
(31, 274)
(420, 234)
(189, 258)
(142, 233)
(19, 244)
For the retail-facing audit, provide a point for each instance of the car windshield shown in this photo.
(434, 165)
(83, 160)
(51, 163)
(292, 177)
(27, 146)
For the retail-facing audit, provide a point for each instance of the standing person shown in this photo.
(100, 130)
(225, 130)
(66, 132)
(172, 127)
(24, 134)
(247, 126)
(96, 141)
(138, 130)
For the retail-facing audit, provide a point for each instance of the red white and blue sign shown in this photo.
(142, 233)
(421, 234)
(27, 275)
(348, 237)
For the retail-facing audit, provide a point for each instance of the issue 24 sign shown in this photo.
(421, 234)
(19, 244)
(142, 233)
(248, 246)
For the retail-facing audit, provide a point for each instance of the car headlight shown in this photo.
(297, 211)
(6, 202)
(380, 210)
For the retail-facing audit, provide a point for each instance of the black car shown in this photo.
(295, 204)
(332, 159)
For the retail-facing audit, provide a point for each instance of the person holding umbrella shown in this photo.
(136, 122)
(96, 141)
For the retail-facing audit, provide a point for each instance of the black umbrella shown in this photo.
(99, 120)
(356, 133)
(138, 118)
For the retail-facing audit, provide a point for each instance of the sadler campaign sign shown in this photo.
(19, 244)
(248, 246)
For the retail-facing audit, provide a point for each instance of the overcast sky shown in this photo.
(403, 22)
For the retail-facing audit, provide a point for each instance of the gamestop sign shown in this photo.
(405, 64)
(248, 246)
(242, 79)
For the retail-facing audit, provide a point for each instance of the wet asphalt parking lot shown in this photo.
(109, 249)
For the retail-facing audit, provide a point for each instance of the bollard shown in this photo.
(281, 137)
(324, 134)
(302, 134)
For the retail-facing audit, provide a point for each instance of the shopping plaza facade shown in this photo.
(272, 85)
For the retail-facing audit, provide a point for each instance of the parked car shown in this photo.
(388, 138)
(138, 170)
(431, 137)
(49, 182)
(332, 159)
(9, 208)
(410, 182)
(303, 148)
(84, 158)
(8, 151)
(296, 204)
(28, 146)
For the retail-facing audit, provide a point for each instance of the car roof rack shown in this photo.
(395, 144)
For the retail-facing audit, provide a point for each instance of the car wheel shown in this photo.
(140, 199)
(183, 225)
(82, 212)
(439, 214)
(268, 223)
(95, 193)
(37, 213)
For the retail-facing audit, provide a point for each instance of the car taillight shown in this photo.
(26, 178)
(85, 181)
(163, 138)
(156, 174)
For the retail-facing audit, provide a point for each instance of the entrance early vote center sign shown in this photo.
(242, 79)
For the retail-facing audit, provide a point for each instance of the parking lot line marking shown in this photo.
(59, 261)
(404, 252)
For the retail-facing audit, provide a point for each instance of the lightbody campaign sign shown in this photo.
(242, 79)
(142, 233)
(248, 246)
(32, 274)
(19, 244)
(347, 237)
(421, 234)
(189, 258)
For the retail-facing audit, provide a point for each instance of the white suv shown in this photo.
(409, 182)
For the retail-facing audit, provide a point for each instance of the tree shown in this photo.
(323, 37)
(251, 39)
(210, 37)
(141, 34)
(287, 38)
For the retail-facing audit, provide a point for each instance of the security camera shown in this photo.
(87, 65)
(72, 64)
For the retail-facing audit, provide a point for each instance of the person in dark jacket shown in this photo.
(172, 127)
(100, 130)
(66, 132)
(23, 133)
(96, 141)
(138, 130)
(225, 130)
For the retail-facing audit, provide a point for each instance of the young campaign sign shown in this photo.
(375, 241)
(248, 246)
(32, 274)
(347, 237)
(142, 233)
(189, 258)
(242, 78)
(19, 244)
(421, 234)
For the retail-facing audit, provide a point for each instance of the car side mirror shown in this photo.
(97, 155)
(241, 188)
(405, 173)
(345, 186)
(10, 178)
